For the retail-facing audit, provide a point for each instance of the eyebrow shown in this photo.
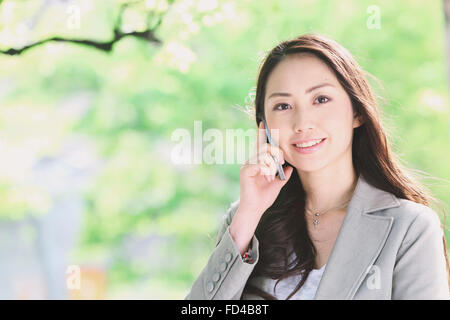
(285, 94)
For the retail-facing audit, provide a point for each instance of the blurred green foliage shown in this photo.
(140, 93)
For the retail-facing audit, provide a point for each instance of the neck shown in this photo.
(329, 187)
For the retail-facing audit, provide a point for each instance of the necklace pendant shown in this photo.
(316, 222)
(316, 214)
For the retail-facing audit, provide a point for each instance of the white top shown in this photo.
(287, 285)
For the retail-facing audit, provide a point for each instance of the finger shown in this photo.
(254, 170)
(265, 172)
(262, 138)
(287, 173)
(251, 169)
(261, 168)
(270, 163)
(264, 163)
(277, 153)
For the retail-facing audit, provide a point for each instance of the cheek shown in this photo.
(341, 140)
(338, 126)
(338, 119)
(282, 129)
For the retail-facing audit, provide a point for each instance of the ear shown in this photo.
(357, 121)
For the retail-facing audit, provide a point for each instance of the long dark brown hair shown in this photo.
(282, 230)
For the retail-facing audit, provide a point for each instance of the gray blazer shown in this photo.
(387, 248)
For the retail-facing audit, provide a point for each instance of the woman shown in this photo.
(348, 222)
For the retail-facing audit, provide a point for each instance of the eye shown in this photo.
(280, 104)
(321, 99)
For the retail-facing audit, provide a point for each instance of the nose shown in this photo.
(303, 122)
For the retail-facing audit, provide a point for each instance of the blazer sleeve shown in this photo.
(225, 274)
(420, 269)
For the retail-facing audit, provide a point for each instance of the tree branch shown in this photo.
(105, 46)
(147, 35)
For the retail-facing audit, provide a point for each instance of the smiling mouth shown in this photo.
(310, 149)
(308, 145)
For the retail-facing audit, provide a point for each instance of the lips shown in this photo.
(306, 140)
(318, 140)
(310, 149)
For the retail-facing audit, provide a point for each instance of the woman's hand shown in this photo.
(258, 185)
(259, 189)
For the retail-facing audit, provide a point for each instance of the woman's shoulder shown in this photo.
(409, 212)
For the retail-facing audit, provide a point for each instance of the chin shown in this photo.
(308, 165)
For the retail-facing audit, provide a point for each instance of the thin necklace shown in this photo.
(317, 214)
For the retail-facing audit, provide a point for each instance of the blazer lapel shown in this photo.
(359, 242)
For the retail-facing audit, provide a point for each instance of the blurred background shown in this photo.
(92, 206)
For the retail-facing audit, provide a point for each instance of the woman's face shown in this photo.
(309, 110)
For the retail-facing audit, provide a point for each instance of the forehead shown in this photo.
(299, 71)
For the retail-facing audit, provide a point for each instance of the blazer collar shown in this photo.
(359, 242)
